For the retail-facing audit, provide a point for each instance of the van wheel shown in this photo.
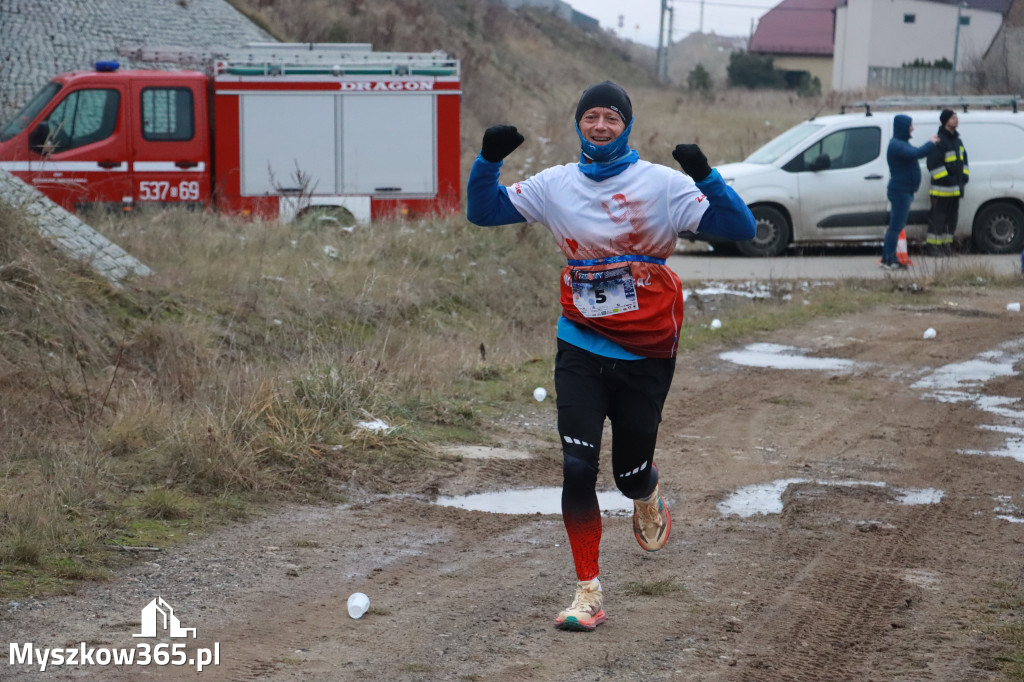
(999, 228)
(772, 234)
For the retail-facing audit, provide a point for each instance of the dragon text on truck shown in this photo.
(268, 130)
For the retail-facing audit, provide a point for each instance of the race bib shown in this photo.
(603, 292)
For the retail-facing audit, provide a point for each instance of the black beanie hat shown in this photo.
(606, 94)
(945, 116)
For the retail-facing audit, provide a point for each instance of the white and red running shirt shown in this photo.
(616, 235)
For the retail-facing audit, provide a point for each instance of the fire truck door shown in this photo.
(170, 143)
(84, 159)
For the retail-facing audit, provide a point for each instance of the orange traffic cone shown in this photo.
(901, 249)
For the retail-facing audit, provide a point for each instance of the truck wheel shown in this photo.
(999, 228)
(772, 234)
(326, 218)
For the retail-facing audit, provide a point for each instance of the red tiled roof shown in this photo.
(796, 27)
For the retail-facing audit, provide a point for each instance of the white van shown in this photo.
(824, 180)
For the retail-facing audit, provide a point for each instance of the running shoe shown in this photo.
(651, 521)
(585, 613)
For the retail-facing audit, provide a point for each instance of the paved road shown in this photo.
(705, 266)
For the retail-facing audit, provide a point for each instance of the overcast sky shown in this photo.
(640, 18)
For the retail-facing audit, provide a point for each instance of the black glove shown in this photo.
(693, 161)
(499, 142)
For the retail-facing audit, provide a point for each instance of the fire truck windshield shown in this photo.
(29, 111)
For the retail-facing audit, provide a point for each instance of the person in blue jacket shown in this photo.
(616, 219)
(904, 180)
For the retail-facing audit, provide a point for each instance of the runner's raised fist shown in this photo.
(499, 142)
(692, 160)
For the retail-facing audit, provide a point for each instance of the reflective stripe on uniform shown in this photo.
(951, 156)
(942, 192)
(940, 174)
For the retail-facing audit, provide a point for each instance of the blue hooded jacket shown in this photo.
(904, 168)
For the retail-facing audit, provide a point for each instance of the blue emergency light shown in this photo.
(107, 66)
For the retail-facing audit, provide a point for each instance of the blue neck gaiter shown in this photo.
(609, 159)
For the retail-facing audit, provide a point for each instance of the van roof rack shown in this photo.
(259, 59)
(936, 101)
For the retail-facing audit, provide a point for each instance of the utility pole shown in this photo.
(662, 58)
(956, 41)
(660, 65)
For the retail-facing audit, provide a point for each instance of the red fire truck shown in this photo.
(268, 130)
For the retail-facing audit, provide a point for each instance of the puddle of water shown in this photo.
(997, 405)
(760, 498)
(923, 578)
(760, 291)
(1012, 430)
(954, 383)
(1007, 510)
(775, 356)
(1012, 448)
(532, 501)
(912, 496)
(766, 498)
(971, 373)
(962, 381)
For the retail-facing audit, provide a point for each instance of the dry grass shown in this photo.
(244, 366)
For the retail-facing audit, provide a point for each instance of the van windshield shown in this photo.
(785, 142)
(29, 111)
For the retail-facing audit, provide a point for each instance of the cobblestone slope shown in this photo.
(41, 38)
(69, 233)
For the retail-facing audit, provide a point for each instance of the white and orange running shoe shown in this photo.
(651, 521)
(585, 613)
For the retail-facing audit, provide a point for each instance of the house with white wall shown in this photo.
(894, 33)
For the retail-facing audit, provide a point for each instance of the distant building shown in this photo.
(846, 43)
(798, 35)
(881, 34)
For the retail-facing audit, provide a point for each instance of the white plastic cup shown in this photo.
(929, 333)
(1013, 307)
(358, 603)
(539, 394)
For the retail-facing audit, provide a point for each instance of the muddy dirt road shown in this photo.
(847, 503)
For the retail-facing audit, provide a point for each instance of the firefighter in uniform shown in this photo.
(947, 166)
